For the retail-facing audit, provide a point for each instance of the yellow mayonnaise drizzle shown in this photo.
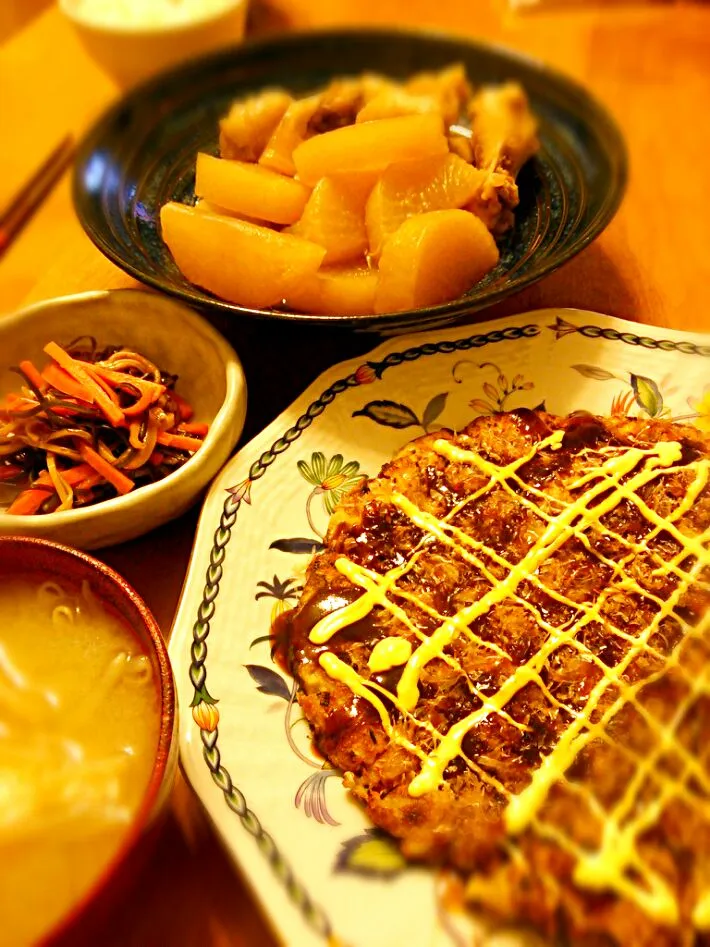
(340, 671)
(615, 475)
(389, 653)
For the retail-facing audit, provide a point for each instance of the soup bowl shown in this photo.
(38, 561)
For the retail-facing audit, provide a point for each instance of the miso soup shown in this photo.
(79, 726)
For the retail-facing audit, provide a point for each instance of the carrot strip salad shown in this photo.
(90, 425)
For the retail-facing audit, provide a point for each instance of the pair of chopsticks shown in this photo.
(33, 192)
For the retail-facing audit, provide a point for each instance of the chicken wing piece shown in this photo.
(503, 137)
(341, 101)
(245, 130)
(495, 201)
(504, 129)
(449, 87)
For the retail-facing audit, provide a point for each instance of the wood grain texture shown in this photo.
(648, 63)
(14, 14)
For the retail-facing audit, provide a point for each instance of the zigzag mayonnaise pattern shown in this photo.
(618, 476)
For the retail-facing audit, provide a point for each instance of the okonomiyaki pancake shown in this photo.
(505, 647)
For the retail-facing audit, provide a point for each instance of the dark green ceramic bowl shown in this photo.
(141, 154)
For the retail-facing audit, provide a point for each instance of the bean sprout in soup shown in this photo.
(79, 725)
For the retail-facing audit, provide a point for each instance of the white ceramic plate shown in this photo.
(317, 866)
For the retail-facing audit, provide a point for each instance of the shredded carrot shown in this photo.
(102, 384)
(30, 372)
(110, 473)
(10, 472)
(150, 391)
(72, 475)
(146, 399)
(71, 437)
(197, 429)
(179, 442)
(66, 411)
(55, 376)
(124, 378)
(80, 477)
(78, 371)
(15, 404)
(29, 501)
(88, 495)
(184, 407)
(89, 482)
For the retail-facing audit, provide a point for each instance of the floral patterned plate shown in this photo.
(321, 872)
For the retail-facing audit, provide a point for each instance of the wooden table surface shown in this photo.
(648, 62)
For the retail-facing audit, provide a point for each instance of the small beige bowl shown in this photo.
(131, 53)
(210, 377)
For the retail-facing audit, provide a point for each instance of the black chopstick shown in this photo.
(33, 192)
